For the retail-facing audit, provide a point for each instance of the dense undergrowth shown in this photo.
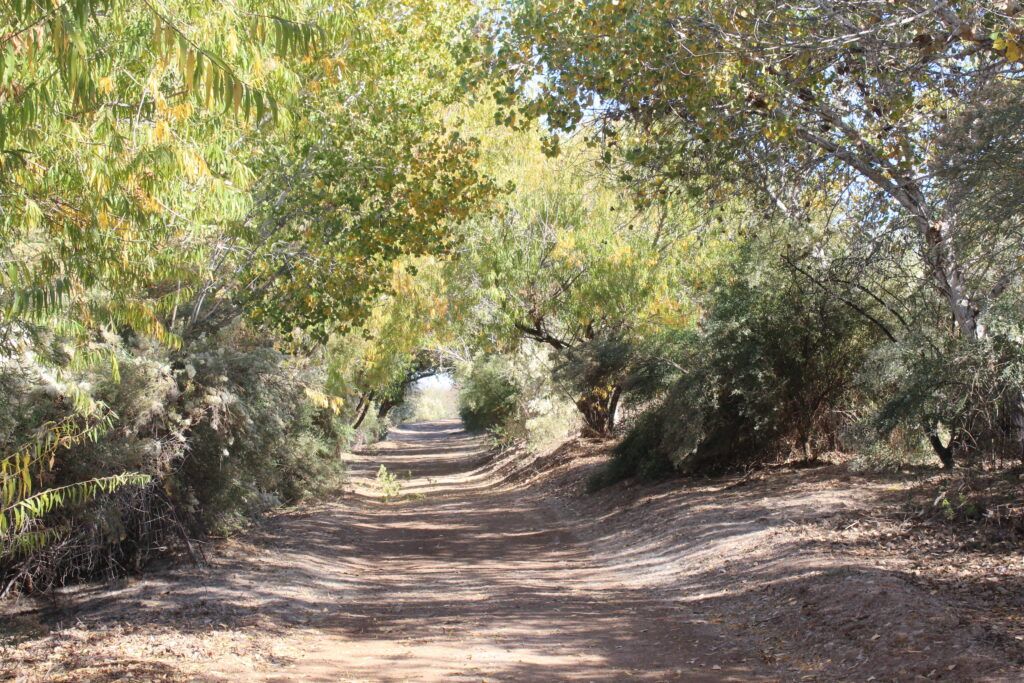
(226, 428)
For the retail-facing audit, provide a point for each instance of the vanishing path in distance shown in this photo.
(464, 578)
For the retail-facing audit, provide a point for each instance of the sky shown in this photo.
(443, 381)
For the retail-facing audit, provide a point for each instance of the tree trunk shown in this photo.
(1017, 422)
(361, 410)
(948, 274)
(809, 454)
(935, 232)
(385, 407)
(945, 453)
(613, 407)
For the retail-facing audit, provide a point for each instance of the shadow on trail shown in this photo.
(469, 579)
(465, 579)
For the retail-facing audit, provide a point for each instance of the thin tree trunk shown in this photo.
(805, 442)
(613, 407)
(362, 409)
(948, 275)
(944, 452)
(385, 408)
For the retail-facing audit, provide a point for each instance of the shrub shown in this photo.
(253, 430)
(641, 453)
(225, 428)
(963, 395)
(487, 394)
(772, 367)
(515, 398)
(427, 403)
(389, 484)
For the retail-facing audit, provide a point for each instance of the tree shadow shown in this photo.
(477, 581)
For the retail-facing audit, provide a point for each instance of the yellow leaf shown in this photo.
(161, 132)
(1013, 51)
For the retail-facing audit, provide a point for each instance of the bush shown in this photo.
(487, 395)
(254, 431)
(427, 404)
(514, 397)
(966, 394)
(226, 428)
(773, 366)
(641, 453)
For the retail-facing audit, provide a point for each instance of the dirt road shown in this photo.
(465, 579)
(476, 574)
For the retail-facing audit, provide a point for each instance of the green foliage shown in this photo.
(224, 428)
(256, 439)
(233, 236)
(25, 505)
(487, 395)
(371, 170)
(389, 484)
(573, 261)
(379, 358)
(116, 122)
(114, 141)
(968, 390)
(165, 179)
(515, 398)
(427, 403)
(892, 125)
(772, 372)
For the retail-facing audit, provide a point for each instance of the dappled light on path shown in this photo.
(493, 567)
(464, 577)
(461, 577)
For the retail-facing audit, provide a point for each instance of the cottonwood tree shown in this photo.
(796, 100)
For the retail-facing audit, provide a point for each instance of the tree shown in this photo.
(373, 168)
(170, 168)
(114, 133)
(573, 263)
(801, 103)
(397, 343)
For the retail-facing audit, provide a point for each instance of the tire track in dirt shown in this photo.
(468, 579)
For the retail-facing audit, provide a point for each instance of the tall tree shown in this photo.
(569, 260)
(795, 100)
(374, 166)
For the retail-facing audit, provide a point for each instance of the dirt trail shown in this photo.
(467, 579)
(491, 569)
(462, 579)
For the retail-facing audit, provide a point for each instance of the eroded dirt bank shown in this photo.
(501, 569)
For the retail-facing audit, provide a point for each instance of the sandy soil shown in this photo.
(495, 568)
(821, 568)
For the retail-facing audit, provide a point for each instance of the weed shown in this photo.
(389, 483)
